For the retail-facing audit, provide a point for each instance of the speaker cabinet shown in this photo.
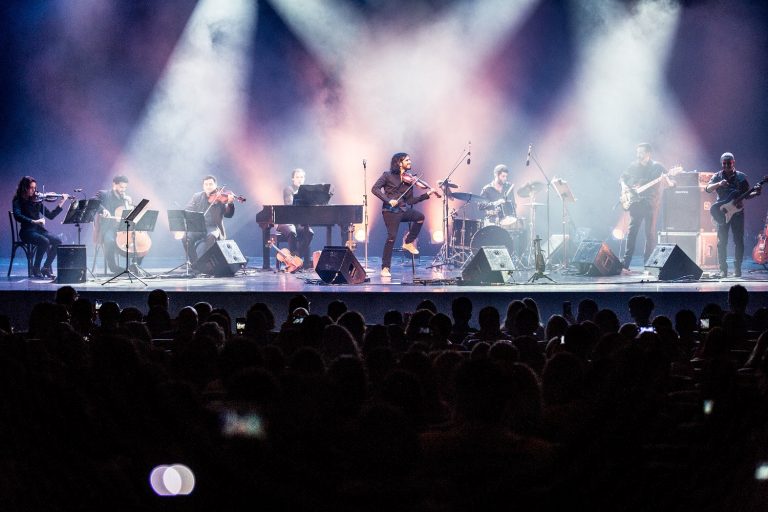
(223, 259)
(686, 209)
(71, 264)
(669, 262)
(491, 264)
(701, 247)
(338, 265)
(595, 258)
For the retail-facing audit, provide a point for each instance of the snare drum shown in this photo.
(463, 231)
(492, 235)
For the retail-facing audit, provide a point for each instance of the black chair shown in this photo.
(29, 249)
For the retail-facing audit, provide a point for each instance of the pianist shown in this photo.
(299, 239)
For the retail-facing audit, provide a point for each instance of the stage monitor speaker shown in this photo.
(491, 264)
(71, 264)
(338, 265)
(223, 259)
(595, 258)
(669, 262)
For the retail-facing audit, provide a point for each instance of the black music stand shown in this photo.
(82, 211)
(566, 196)
(188, 222)
(312, 195)
(145, 223)
(128, 221)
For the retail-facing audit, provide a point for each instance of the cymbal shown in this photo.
(466, 196)
(532, 187)
(533, 204)
(446, 184)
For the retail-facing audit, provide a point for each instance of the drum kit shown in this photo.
(500, 226)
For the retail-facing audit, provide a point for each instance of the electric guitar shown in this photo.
(759, 253)
(723, 210)
(630, 195)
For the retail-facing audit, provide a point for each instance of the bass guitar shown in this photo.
(630, 195)
(760, 252)
(292, 263)
(723, 210)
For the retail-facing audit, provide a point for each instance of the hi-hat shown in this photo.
(448, 184)
(532, 204)
(466, 196)
(532, 187)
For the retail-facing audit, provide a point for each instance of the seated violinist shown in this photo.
(30, 212)
(215, 204)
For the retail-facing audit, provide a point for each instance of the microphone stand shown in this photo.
(365, 217)
(549, 185)
(444, 254)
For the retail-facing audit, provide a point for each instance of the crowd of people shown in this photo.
(418, 410)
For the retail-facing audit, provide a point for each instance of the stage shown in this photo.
(373, 298)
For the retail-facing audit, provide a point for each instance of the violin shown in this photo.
(222, 196)
(49, 197)
(292, 263)
(415, 180)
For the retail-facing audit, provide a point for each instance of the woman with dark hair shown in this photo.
(30, 212)
(398, 199)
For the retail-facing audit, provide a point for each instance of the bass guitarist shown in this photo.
(643, 207)
(728, 182)
(395, 189)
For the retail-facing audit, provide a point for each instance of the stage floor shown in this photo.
(373, 298)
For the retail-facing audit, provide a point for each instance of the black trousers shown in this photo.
(640, 213)
(46, 246)
(392, 220)
(737, 227)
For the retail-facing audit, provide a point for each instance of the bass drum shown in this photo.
(492, 235)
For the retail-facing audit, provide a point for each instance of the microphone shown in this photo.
(469, 153)
(364, 164)
(528, 158)
(78, 190)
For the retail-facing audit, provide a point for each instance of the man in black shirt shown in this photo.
(725, 182)
(397, 206)
(643, 207)
(113, 201)
(216, 206)
(499, 199)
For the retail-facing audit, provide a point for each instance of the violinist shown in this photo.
(299, 237)
(216, 204)
(106, 226)
(30, 212)
(395, 188)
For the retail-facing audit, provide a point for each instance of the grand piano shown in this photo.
(329, 215)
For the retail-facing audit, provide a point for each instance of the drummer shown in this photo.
(498, 200)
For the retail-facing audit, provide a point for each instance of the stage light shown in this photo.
(618, 234)
(360, 234)
(437, 236)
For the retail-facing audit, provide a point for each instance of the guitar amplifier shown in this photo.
(700, 246)
(686, 209)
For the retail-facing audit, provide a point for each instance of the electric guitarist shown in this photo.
(395, 189)
(643, 205)
(732, 188)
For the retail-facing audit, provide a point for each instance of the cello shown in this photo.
(138, 243)
(760, 252)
